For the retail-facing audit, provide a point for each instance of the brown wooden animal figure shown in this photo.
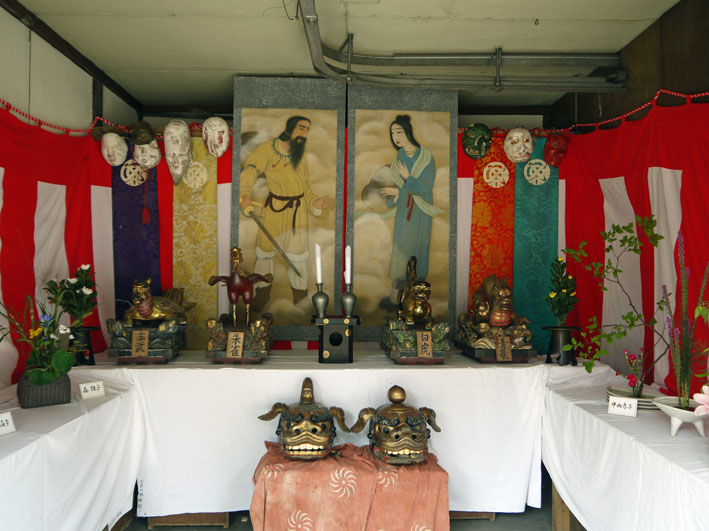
(239, 284)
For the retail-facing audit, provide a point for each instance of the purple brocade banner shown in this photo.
(136, 245)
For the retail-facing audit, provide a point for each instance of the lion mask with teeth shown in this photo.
(398, 432)
(306, 430)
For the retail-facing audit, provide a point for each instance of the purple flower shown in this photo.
(44, 319)
(680, 245)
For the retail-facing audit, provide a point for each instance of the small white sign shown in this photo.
(619, 405)
(92, 390)
(7, 425)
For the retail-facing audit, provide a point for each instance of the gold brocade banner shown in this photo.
(194, 241)
(492, 231)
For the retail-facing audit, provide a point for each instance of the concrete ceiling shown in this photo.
(182, 52)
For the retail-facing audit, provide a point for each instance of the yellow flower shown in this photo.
(560, 259)
(570, 277)
(563, 291)
(35, 332)
(573, 293)
(552, 294)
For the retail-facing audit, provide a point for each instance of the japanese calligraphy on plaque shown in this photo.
(235, 345)
(424, 344)
(140, 342)
(503, 348)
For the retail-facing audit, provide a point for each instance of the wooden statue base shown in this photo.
(489, 355)
(190, 519)
(142, 360)
(410, 357)
(238, 361)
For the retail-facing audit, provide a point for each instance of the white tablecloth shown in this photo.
(72, 466)
(619, 472)
(204, 439)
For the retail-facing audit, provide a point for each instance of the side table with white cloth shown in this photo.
(621, 473)
(72, 466)
(204, 439)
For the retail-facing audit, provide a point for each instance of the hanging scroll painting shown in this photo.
(288, 164)
(394, 221)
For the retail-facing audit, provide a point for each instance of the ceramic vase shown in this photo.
(81, 344)
(669, 405)
(560, 336)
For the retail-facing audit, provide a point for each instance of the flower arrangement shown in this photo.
(680, 343)
(76, 296)
(562, 297)
(47, 338)
(636, 378)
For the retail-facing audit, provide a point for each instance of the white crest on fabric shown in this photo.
(496, 174)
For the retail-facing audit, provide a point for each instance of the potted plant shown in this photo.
(77, 297)
(561, 300)
(45, 381)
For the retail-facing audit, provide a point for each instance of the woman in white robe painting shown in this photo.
(413, 172)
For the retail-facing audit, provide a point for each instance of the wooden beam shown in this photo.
(97, 99)
(195, 111)
(506, 109)
(29, 19)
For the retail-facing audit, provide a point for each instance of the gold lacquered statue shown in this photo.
(414, 309)
(492, 315)
(398, 431)
(306, 430)
(148, 308)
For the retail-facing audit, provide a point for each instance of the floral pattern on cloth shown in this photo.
(343, 482)
(387, 476)
(492, 231)
(350, 489)
(417, 500)
(194, 244)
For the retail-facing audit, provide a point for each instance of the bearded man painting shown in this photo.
(282, 162)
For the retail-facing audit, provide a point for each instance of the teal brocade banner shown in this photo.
(535, 241)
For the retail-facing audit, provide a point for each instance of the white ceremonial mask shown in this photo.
(178, 148)
(215, 133)
(518, 144)
(114, 149)
(147, 155)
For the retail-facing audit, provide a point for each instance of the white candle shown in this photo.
(318, 264)
(348, 265)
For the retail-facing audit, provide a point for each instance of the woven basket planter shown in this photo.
(30, 395)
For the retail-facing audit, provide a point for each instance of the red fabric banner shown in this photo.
(30, 157)
(662, 160)
(492, 232)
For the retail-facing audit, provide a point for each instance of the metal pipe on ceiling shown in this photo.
(318, 52)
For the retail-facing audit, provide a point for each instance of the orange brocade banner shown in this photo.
(492, 231)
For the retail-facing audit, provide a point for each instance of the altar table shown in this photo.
(623, 473)
(71, 466)
(204, 439)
